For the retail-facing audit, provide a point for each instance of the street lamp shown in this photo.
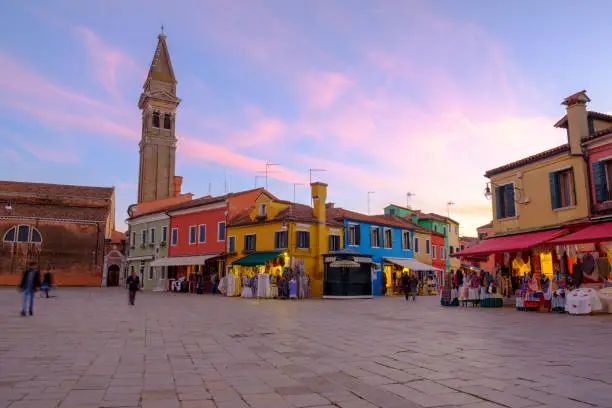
(488, 194)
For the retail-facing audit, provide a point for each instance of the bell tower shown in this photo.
(158, 103)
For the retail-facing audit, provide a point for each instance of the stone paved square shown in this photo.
(88, 348)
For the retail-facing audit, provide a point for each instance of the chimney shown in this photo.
(178, 183)
(577, 120)
(319, 195)
(329, 205)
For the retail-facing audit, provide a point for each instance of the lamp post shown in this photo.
(369, 194)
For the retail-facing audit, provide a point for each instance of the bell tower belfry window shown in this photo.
(158, 103)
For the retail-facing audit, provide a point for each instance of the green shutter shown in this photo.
(554, 191)
(600, 181)
(510, 200)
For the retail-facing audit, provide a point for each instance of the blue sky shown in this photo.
(388, 96)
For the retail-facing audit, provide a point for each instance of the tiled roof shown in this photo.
(434, 217)
(531, 159)
(295, 212)
(339, 214)
(17, 188)
(489, 225)
(216, 199)
(152, 207)
(562, 123)
(598, 134)
(118, 236)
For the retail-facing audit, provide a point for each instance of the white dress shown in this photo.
(246, 290)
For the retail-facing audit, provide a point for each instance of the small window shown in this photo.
(152, 235)
(452, 250)
(167, 121)
(334, 243)
(354, 235)
(23, 233)
(416, 245)
(156, 119)
(602, 180)
(462, 247)
(164, 237)
(433, 252)
(202, 233)
(133, 243)
(192, 234)
(435, 227)
(388, 238)
(444, 231)
(143, 237)
(375, 237)
(162, 273)
(141, 270)
(427, 246)
(250, 242)
(9, 236)
(281, 240)
(150, 273)
(263, 209)
(504, 201)
(231, 245)
(303, 240)
(221, 231)
(406, 240)
(562, 192)
(35, 236)
(174, 236)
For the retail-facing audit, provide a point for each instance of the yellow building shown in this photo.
(453, 242)
(421, 253)
(550, 188)
(275, 234)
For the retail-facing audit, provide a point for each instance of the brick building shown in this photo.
(61, 227)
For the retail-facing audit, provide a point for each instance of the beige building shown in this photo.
(158, 103)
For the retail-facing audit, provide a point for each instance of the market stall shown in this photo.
(347, 275)
(428, 275)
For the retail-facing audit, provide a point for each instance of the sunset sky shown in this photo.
(388, 96)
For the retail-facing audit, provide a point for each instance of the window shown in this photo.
(281, 239)
(143, 237)
(141, 270)
(150, 273)
(375, 237)
(155, 119)
(435, 228)
(231, 245)
(354, 235)
(167, 121)
(462, 247)
(562, 192)
(452, 251)
(406, 240)
(334, 243)
(162, 273)
(250, 242)
(416, 245)
(174, 236)
(482, 236)
(192, 234)
(427, 246)
(221, 231)
(262, 209)
(444, 230)
(23, 233)
(202, 233)
(388, 238)
(433, 251)
(303, 240)
(152, 235)
(164, 236)
(602, 180)
(504, 201)
(133, 241)
(442, 253)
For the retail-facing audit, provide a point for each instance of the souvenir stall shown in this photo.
(347, 275)
(428, 275)
(449, 295)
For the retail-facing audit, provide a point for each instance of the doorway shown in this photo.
(113, 276)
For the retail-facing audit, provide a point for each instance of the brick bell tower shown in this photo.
(158, 103)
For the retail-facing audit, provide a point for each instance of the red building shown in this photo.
(599, 150)
(439, 261)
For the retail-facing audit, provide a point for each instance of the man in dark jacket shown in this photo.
(30, 282)
(133, 284)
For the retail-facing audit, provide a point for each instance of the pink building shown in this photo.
(599, 153)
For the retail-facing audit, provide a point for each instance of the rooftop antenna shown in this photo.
(369, 194)
(268, 165)
(408, 196)
(448, 207)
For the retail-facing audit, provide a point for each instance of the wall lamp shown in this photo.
(517, 192)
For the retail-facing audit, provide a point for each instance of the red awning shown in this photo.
(510, 243)
(592, 233)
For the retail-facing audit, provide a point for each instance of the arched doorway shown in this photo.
(113, 275)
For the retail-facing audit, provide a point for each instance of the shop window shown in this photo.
(504, 201)
(388, 238)
(192, 234)
(303, 240)
(174, 236)
(281, 240)
(433, 252)
(152, 235)
(202, 233)
(334, 243)
(167, 121)
(231, 245)
(156, 119)
(23, 234)
(602, 180)
(164, 237)
(162, 273)
(250, 242)
(143, 237)
(416, 245)
(427, 246)
(406, 240)
(375, 237)
(221, 231)
(562, 192)
(354, 235)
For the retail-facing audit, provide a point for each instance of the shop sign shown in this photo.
(329, 259)
(361, 259)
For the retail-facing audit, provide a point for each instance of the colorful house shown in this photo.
(599, 153)
(388, 239)
(273, 234)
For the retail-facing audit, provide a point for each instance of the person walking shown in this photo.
(47, 282)
(30, 282)
(133, 284)
(414, 284)
(405, 284)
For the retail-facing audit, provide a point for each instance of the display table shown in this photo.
(583, 301)
(605, 296)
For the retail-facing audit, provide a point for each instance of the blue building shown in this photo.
(386, 238)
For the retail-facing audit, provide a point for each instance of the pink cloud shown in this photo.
(64, 154)
(10, 155)
(322, 89)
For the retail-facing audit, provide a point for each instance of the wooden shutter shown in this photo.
(499, 202)
(554, 191)
(600, 181)
(509, 196)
